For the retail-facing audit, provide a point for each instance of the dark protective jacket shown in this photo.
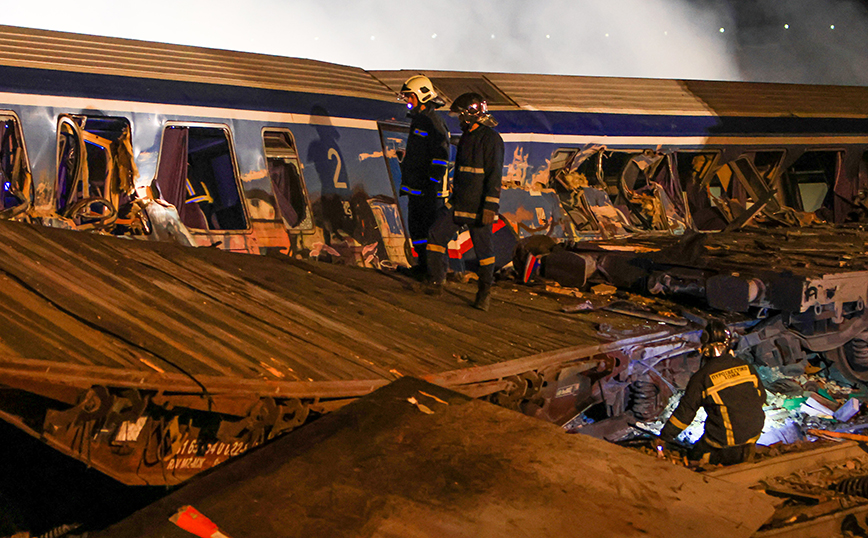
(426, 160)
(732, 395)
(478, 173)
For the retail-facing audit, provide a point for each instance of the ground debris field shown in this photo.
(449, 466)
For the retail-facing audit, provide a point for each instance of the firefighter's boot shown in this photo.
(483, 297)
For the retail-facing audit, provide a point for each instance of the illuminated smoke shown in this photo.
(694, 39)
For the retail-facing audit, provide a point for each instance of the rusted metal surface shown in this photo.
(750, 474)
(809, 485)
(152, 361)
(386, 466)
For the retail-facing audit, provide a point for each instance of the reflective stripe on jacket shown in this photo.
(733, 396)
(426, 159)
(478, 173)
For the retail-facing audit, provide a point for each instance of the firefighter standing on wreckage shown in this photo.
(475, 197)
(425, 164)
(731, 393)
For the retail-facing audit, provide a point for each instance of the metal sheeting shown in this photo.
(24, 47)
(130, 313)
(381, 467)
(661, 96)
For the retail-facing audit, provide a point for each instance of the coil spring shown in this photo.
(643, 395)
(858, 486)
(860, 353)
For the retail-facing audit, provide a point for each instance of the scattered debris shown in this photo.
(192, 521)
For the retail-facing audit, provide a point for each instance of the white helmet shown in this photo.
(421, 87)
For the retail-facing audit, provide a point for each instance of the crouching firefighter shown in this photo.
(475, 196)
(732, 395)
(425, 163)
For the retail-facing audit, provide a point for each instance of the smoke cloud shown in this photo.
(690, 39)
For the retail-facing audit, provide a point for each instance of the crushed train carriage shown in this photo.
(645, 159)
(258, 154)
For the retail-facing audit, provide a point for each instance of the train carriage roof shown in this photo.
(507, 91)
(42, 49)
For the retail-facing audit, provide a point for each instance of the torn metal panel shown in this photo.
(642, 187)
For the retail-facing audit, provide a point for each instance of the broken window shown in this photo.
(809, 181)
(738, 190)
(738, 185)
(95, 169)
(575, 178)
(767, 163)
(197, 175)
(648, 188)
(570, 185)
(612, 165)
(693, 167)
(15, 180)
(561, 159)
(287, 183)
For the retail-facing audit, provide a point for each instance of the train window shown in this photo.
(287, 182)
(15, 181)
(613, 165)
(811, 178)
(95, 168)
(693, 166)
(766, 163)
(197, 174)
(747, 178)
(737, 185)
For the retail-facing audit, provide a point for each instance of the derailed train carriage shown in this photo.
(258, 154)
(655, 160)
(250, 153)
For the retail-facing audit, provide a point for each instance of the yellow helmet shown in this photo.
(421, 87)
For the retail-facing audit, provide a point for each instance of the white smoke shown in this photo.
(631, 38)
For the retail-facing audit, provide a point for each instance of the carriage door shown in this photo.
(15, 179)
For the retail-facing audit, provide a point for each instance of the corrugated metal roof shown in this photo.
(660, 96)
(123, 307)
(24, 47)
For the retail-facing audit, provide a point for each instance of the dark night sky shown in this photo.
(794, 40)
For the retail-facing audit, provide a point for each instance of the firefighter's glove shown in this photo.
(487, 217)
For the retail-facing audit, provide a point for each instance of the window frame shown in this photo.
(230, 138)
(839, 161)
(307, 225)
(27, 203)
